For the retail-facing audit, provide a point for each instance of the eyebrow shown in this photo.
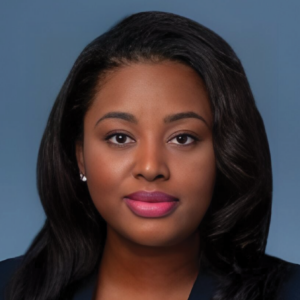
(168, 119)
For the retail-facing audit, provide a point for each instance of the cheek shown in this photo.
(197, 175)
(105, 174)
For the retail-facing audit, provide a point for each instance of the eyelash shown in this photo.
(124, 144)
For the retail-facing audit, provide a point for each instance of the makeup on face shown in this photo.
(148, 152)
(151, 204)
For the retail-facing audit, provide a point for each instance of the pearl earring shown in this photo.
(82, 177)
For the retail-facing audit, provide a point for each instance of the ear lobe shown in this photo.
(79, 156)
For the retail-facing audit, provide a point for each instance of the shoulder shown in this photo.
(291, 282)
(290, 288)
(7, 268)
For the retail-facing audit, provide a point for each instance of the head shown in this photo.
(223, 181)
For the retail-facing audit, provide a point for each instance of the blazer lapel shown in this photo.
(86, 289)
(203, 288)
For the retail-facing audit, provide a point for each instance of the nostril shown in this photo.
(150, 177)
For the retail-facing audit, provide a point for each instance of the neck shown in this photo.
(129, 266)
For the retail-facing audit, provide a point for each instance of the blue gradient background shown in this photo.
(39, 41)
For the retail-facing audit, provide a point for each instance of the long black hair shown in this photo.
(235, 229)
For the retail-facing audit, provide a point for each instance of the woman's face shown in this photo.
(161, 142)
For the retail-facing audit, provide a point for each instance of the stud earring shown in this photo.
(82, 177)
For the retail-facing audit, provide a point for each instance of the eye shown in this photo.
(118, 139)
(185, 139)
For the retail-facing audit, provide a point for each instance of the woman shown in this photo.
(155, 176)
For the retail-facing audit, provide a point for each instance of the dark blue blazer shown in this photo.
(203, 287)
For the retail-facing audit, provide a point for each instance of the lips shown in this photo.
(151, 204)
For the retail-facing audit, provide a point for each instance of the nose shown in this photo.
(151, 162)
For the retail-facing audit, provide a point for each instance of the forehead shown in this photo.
(151, 90)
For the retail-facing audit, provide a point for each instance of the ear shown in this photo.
(79, 156)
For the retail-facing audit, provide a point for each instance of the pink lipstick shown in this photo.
(151, 204)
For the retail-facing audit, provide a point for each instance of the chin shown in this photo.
(157, 239)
